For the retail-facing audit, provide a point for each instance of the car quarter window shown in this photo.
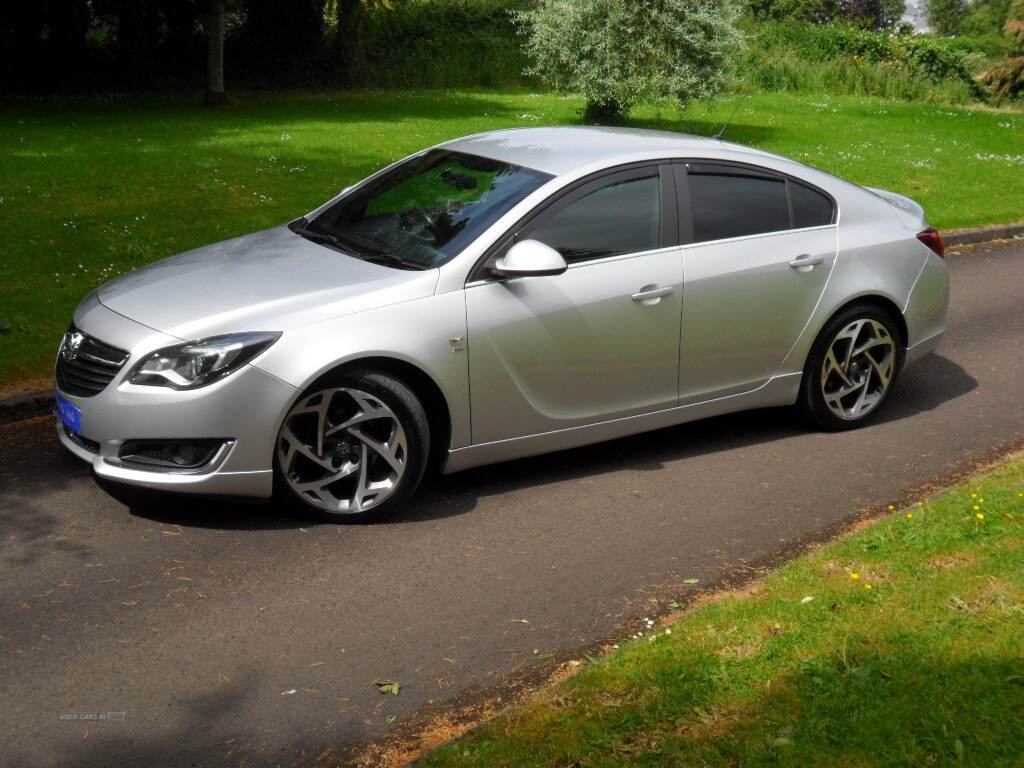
(810, 207)
(623, 216)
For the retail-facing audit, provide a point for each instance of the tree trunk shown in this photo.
(215, 95)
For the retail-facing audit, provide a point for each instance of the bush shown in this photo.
(1006, 80)
(876, 14)
(842, 58)
(426, 44)
(619, 52)
(1013, 28)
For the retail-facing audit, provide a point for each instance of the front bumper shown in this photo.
(244, 408)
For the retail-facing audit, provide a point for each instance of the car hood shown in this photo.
(272, 280)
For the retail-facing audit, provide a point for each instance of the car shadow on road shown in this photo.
(926, 386)
(931, 383)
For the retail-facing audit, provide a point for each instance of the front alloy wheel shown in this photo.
(349, 451)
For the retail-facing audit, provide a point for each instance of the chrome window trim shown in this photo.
(774, 233)
(581, 264)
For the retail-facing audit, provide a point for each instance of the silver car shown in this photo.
(497, 296)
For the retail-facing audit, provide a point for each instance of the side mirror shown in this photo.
(529, 258)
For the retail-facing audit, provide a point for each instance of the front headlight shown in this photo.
(198, 363)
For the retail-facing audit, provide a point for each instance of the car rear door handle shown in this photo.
(806, 260)
(651, 294)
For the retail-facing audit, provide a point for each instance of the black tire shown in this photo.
(812, 402)
(408, 409)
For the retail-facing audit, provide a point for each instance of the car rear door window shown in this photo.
(622, 217)
(810, 208)
(727, 205)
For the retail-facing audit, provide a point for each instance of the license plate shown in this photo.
(70, 415)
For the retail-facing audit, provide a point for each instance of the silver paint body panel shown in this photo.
(549, 362)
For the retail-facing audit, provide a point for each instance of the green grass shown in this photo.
(901, 645)
(90, 188)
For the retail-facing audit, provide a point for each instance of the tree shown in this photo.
(284, 38)
(946, 16)
(617, 53)
(215, 95)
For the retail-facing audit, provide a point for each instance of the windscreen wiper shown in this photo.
(390, 258)
(301, 227)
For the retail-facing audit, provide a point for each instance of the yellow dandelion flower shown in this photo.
(980, 515)
(974, 495)
(854, 575)
(910, 515)
(976, 507)
(867, 586)
(892, 507)
(920, 504)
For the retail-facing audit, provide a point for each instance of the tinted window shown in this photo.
(624, 217)
(428, 208)
(732, 206)
(810, 208)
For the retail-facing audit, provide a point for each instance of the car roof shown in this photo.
(558, 150)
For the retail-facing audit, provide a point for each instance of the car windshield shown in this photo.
(425, 210)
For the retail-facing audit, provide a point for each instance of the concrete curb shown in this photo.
(982, 234)
(40, 403)
(26, 406)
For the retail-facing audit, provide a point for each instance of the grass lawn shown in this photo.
(90, 188)
(901, 645)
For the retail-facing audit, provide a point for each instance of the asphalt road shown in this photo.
(234, 635)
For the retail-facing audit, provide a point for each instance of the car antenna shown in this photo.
(718, 136)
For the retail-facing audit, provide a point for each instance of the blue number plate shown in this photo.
(70, 415)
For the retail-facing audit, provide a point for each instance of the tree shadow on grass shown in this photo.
(860, 705)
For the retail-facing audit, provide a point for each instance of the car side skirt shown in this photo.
(780, 390)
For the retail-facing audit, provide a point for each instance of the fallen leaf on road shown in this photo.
(289, 692)
(519, 621)
(388, 686)
(690, 581)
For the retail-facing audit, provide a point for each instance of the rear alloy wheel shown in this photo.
(352, 451)
(851, 369)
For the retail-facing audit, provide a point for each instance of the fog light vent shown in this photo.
(170, 455)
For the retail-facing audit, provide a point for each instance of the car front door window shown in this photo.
(622, 217)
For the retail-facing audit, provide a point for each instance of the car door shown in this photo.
(597, 342)
(758, 250)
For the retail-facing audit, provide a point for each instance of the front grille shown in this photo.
(86, 365)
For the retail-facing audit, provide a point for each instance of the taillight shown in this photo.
(930, 237)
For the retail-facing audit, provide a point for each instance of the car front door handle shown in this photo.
(806, 260)
(651, 294)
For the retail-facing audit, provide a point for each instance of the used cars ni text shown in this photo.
(496, 296)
